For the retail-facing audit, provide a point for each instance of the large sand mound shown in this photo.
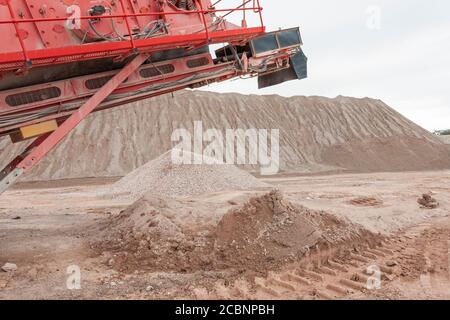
(316, 134)
(161, 177)
(249, 232)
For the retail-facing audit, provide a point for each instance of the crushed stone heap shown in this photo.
(161, 177)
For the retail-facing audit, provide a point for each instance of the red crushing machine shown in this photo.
(61, 60)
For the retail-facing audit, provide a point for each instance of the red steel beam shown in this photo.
(43, 145)
(40, 57)
(75, 88)
(227, 73)
(81, 113)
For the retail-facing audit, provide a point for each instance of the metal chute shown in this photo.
(280, 56)
(297, 70)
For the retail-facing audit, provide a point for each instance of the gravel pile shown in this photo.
(161, 177)
(316, 135)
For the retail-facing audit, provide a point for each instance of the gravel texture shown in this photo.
(161, 177)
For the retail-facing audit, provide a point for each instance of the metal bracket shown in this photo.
(10, 179)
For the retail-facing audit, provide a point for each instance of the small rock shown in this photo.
(428, 202)
(391, 263)
(9, 267)
(387, 277)
(355, 277)
(149, 288)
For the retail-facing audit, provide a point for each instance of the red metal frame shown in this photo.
(43, 144)
(225, 74)
(46, 56)
(74, 89)
(56, 136)
(12, 61)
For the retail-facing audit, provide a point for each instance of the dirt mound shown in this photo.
(316, 134)
(255, 233)
(161, 177)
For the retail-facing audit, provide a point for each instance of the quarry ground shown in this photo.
(44, 229)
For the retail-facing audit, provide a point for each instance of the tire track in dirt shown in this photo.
(419, 253)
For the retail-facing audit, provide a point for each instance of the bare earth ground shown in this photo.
(45, 230)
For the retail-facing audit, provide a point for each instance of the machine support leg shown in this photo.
(43, 144)
(11, 172)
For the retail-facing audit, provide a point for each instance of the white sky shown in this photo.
(405, 63)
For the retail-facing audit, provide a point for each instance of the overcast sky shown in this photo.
(404, 60)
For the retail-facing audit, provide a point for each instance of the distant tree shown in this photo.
(443, 132)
